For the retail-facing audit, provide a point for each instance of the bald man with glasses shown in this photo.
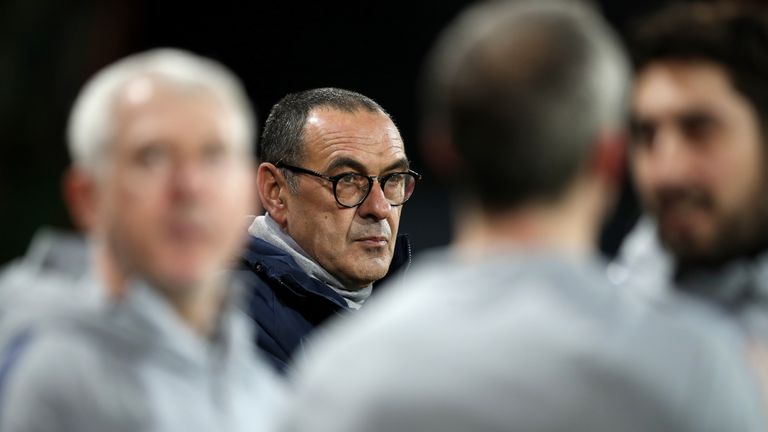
(333, 179)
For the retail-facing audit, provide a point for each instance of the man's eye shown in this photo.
(214, 152)
(642, 134)
(698, 128)
(350, 179)
(152, 155)
(396, 180)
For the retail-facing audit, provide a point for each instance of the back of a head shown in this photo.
(523, 90)
(282, 139)
(730, 34)
(91, 120)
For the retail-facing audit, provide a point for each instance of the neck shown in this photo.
(198, 306)
(107, 271)
(569, 226)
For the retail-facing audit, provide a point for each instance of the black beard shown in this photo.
(743, 236)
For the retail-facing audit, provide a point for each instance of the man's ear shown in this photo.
(258, 209)
(439, 151)
(272, 189)
(81, 195)
(608, 160)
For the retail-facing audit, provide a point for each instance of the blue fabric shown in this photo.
(287, 304)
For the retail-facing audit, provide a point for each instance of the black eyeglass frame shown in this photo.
(336, 178)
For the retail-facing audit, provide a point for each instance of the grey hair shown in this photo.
(91, 120)
(524, 89)
(283, 136)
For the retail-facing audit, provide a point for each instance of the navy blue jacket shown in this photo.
(287, 304)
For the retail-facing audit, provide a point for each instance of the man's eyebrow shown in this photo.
(346, 162)
(697, 116)
(401, 164)
(636, 122)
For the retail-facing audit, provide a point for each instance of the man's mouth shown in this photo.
(373, 241)
(186, 232)
(683, 208)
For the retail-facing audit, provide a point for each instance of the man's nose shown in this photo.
(375, 206)
(188, 178)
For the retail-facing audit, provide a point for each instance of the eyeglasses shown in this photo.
(351, 189)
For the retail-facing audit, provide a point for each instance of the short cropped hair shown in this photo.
(91, 120)
(731, 35)
(524, 89)
(283, 137)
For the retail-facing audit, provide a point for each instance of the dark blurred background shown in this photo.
(48, 48)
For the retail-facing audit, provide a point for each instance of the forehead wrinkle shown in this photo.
(355, 148)
(342, 145)
(355, 135)
(331, 138)
(371, 139)
(356, 125)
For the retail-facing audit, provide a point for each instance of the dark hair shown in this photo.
(733, 36)
(524, 88)
(283, 137)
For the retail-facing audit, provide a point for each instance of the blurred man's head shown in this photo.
(700, 106)
(531, 95)
(347, 224)
(161, 144)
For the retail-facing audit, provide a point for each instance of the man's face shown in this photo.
(698, 161)
(353, 244)
(175, 188)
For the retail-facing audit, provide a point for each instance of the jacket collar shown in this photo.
(275, 264)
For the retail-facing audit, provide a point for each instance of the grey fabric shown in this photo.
(523, 343)
(133, 365)
(642, 267)
(53, 278)
(56, 261)
(265, 228)
(739, 288)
